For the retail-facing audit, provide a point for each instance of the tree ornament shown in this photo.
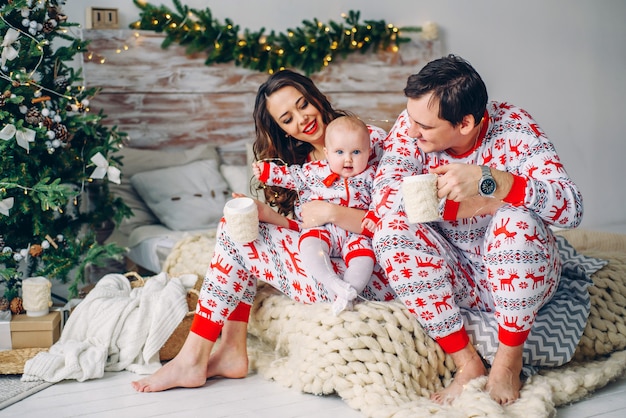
(54, 13)
(61, 82)
(16, 306)
(47, 122)
(49, 26)
(35, 250)
(4, 97)
(4, 304)
(6, 205)
(33, 116)
(61, 133)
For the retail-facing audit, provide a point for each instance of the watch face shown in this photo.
(487, 186)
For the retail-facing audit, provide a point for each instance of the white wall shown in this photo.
(564, 61)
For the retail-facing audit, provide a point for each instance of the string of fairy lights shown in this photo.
(310, 47)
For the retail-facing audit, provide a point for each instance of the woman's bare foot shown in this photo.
(471, 367)
(187, 369)
(504, 381)
(172, 374)
(226, 362)
(231, 354)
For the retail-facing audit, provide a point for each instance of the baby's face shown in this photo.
(347, 150)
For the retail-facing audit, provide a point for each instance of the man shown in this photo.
(501, 186)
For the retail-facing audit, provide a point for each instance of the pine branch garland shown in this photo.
(309, 48)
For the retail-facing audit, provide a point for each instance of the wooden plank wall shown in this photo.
(165, 99)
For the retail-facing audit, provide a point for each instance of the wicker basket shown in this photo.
(13, 361)
(174, 343)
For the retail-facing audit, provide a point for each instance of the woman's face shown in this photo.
(296, 116)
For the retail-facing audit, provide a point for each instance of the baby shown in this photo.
(345, 178)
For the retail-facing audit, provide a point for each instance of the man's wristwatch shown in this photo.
(486, 184)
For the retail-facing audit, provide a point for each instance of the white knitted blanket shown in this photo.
(115, 327)
(379, 360)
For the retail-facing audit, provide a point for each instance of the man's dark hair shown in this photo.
(459, 88)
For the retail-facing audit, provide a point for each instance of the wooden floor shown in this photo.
(253, 397)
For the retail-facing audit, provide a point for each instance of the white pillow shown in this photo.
(186, 197)
(137, 160)
(237, 177)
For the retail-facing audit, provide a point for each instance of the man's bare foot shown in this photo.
(504, 381)
(176, 373)
(504, 385)
(469, 367)
(227, 362)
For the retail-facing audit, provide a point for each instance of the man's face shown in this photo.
(433, 134)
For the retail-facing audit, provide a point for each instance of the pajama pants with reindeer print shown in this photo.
(507, 264)
(230, 284)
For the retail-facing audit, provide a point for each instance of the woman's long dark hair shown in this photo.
(271, 140)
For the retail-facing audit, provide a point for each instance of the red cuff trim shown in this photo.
(454, 342)
(205, 328)
(362, 252)
(265, 172)
(512, 339)
(317, 234)
(450, 210)
(518, 191)
(241, 313)
(371, 216)
(293, 225)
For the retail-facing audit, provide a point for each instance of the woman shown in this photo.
(290, 116)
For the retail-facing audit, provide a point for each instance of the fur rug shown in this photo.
(378, 359)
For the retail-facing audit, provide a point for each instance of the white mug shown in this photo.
(420, 198)
(242, 219)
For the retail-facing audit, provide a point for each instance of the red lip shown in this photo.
(313, 126)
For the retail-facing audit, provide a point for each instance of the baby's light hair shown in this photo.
(349, 122)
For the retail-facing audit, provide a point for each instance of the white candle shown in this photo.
(36, 296)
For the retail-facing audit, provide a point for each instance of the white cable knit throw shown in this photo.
(115, 328)
(380, 362)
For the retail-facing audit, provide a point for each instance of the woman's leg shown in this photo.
(223, 307)
(231, 355)
(229, 285)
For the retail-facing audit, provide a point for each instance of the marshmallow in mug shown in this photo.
(421, 203)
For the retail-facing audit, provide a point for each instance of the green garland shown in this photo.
(309, 48)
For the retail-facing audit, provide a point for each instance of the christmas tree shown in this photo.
(56, 158)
